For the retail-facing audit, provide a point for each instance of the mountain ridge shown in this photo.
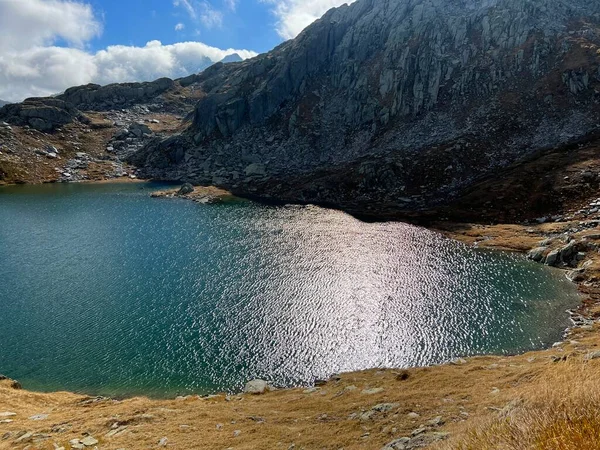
(433, 83)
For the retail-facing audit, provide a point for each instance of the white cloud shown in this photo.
(179, 27)
(210, 17)
(204, 12)
(231, 4)
(187, 5)
(295, 15)
(30, 65)
(25, 23)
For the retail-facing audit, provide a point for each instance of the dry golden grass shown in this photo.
(560, 410)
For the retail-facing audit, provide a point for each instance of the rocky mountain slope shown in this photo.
(401, 104)
(88, 131)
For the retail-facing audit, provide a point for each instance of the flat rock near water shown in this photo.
(199, 194)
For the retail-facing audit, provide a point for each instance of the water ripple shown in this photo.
(108, 291)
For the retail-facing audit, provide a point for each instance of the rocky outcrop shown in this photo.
(93, 97)
(42, 114)
(403, 103)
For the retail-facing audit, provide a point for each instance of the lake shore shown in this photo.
(367, 409)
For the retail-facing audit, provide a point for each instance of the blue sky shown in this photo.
(48, 46)
(251, 26)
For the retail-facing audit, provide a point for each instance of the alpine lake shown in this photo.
(106, 291)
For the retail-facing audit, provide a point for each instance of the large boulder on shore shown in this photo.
(256, 387)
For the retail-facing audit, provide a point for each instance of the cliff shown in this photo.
(402, 104)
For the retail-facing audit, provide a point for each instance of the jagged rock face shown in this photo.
(42, 114)
(93, 97)
(395, 102)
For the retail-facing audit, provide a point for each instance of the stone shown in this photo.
(385, 407)
(553, 258)
(567, 253)
(436, 422)
(372, 391)
(537, 254)
(427, 439)
(7, 414)
(311, 390)
(458, 362)
(24, 438)
(593, 355)
(39, 417)
(397, 444)
(256, 387)
(186, 189)
(163, 442)
(89, 441)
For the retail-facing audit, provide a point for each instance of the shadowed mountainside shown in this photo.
(408, 102)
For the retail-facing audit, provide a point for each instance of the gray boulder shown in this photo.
(537, 254)
(256, 387)
(186, 189)
(568, 252)
(553, 258)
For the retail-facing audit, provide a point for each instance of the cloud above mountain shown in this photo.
(45, 44)
(33, 64)
(295, 15)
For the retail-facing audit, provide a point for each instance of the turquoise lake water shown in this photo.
(107, 291)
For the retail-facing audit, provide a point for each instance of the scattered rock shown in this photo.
(311, 390)
(419, 441)
(24, 438)
(593, 355)
(256, 387)
(89, 441)
(397, 444)
(39, 417)
(436, 422)
(384, 407)
(372, 391)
